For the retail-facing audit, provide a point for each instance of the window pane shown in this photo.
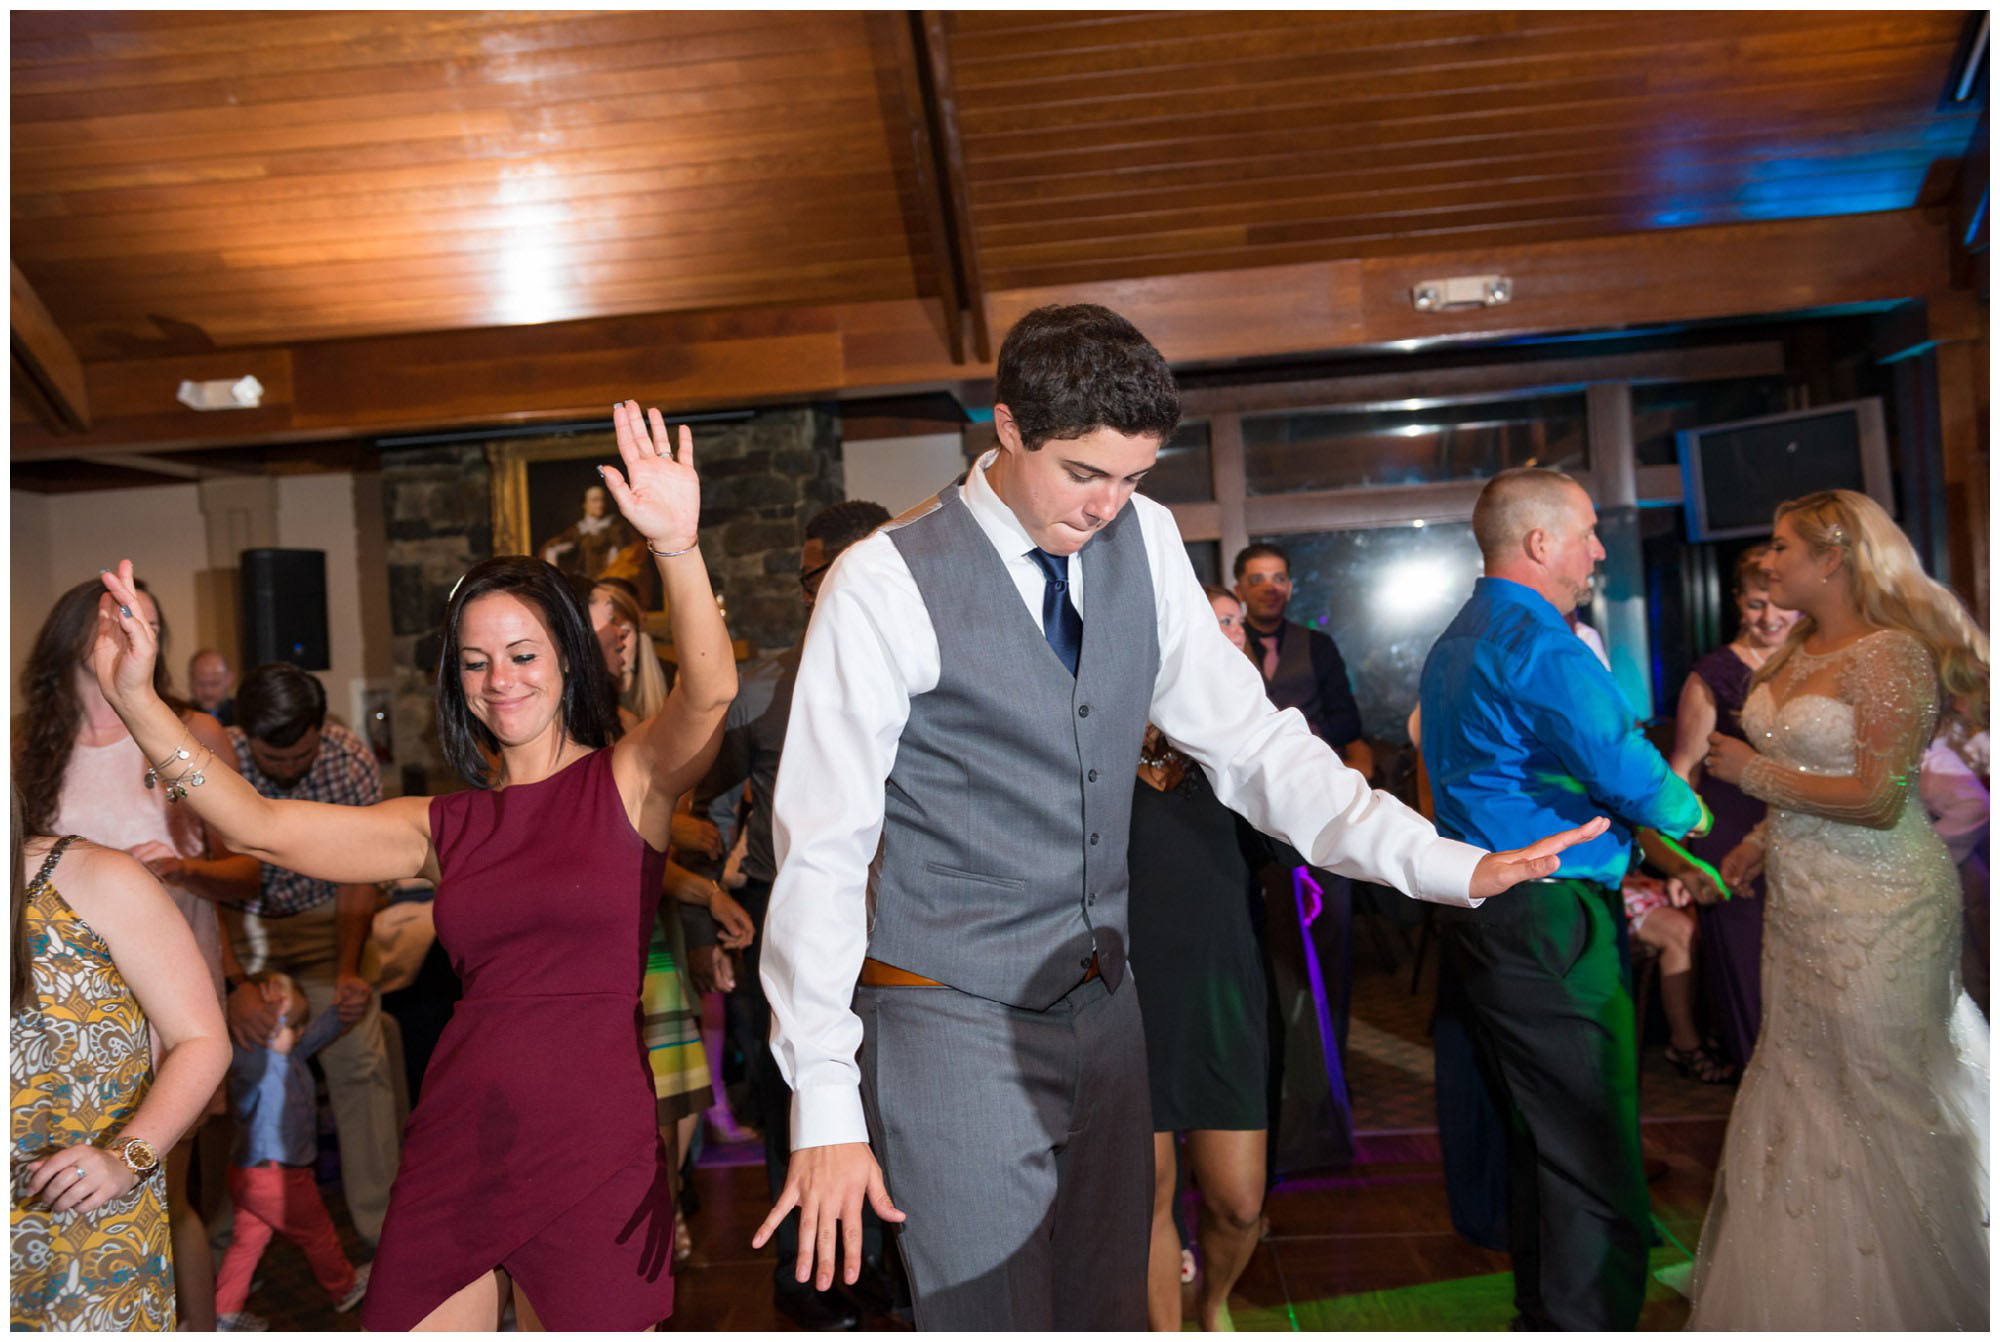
(1206, 556)
(1412, 442)
(1384, 595)
(1661, 411)
(1183, 473)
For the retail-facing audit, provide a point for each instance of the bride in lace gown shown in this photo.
(1852, 1188)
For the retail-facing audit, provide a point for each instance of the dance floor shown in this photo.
(1367, 1248)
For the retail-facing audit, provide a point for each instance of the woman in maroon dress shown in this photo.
(1732, 932)
(532, 1159)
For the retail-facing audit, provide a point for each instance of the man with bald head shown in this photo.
(1522, 726)
(208, 685)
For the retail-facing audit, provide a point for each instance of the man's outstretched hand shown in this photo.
(826, 1184)
(1503, 871)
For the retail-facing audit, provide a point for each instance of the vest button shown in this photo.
(1093, 840)
(1083, 710)
(1092, 776)
(1092, 899)
(1086, 962)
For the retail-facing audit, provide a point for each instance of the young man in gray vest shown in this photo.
(945, 949)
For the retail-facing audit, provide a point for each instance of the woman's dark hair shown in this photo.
(587, 712)
(21, 974)
(277, 703)
(1066, 370)
(51, 714)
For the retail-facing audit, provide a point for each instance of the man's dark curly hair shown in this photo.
(839, 525)
(1066, 370)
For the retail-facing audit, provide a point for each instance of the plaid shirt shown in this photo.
(344, 774)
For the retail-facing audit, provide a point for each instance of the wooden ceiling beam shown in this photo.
(1971, 201)
(734, 357)
(919, 115)
(943, 107)
(48, 377)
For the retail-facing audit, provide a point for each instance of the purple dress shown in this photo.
(534, 1148)
(1732, 932)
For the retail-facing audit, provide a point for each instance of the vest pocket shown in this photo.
(975, 877)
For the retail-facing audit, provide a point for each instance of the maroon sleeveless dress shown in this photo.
(533, 1147)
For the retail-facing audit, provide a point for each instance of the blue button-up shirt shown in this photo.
(1525, 733)
(271, 1095)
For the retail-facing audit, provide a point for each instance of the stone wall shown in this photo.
(437, 509)
(762, 478)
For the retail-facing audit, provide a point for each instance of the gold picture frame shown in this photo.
(538, 488)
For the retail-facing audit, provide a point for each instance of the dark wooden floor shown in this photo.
(1371, 1248)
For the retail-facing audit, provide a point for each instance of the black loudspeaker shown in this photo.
(284, 608)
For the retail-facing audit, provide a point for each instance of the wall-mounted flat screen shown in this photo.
(1735, 475)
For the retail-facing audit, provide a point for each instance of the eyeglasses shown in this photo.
(809, 579)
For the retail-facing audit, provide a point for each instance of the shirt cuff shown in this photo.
(1444, 873)
(827, 1115)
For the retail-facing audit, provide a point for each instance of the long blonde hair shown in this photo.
(646, 688)
(1891, 588)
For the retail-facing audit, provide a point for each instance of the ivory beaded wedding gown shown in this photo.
(1851, 1192)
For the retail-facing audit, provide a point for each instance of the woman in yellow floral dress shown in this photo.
(97, 967)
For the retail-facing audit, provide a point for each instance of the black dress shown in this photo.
(1196, 919)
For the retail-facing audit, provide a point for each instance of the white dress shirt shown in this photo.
(871, 648)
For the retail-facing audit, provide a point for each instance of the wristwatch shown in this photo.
(140, 1157)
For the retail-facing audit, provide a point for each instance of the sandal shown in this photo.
(1699, 1064)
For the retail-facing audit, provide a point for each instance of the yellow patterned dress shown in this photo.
(80, 1062)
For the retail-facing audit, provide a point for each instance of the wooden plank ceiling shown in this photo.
(187, 185)
(1103, 145)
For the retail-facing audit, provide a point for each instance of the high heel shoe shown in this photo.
(1699, 1064)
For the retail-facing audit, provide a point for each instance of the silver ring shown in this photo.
(76, 1172)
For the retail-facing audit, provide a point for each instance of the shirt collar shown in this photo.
(1515, 594)
(1276, 636)
(995, 518)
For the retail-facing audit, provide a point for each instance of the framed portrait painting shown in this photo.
(549, 502)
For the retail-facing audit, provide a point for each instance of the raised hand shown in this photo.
(659, 493)
(126, 647)
(1503, 871)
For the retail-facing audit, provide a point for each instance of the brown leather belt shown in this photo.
(875, 974)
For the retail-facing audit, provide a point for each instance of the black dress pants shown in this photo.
(1538, 975)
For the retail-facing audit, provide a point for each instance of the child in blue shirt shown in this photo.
(271, 1165)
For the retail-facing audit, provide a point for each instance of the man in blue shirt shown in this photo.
(1524, 731)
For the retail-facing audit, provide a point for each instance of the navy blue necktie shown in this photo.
(1061, 624)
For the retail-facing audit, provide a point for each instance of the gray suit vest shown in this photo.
(1007, 812)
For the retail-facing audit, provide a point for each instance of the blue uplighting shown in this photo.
(1860, 174)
